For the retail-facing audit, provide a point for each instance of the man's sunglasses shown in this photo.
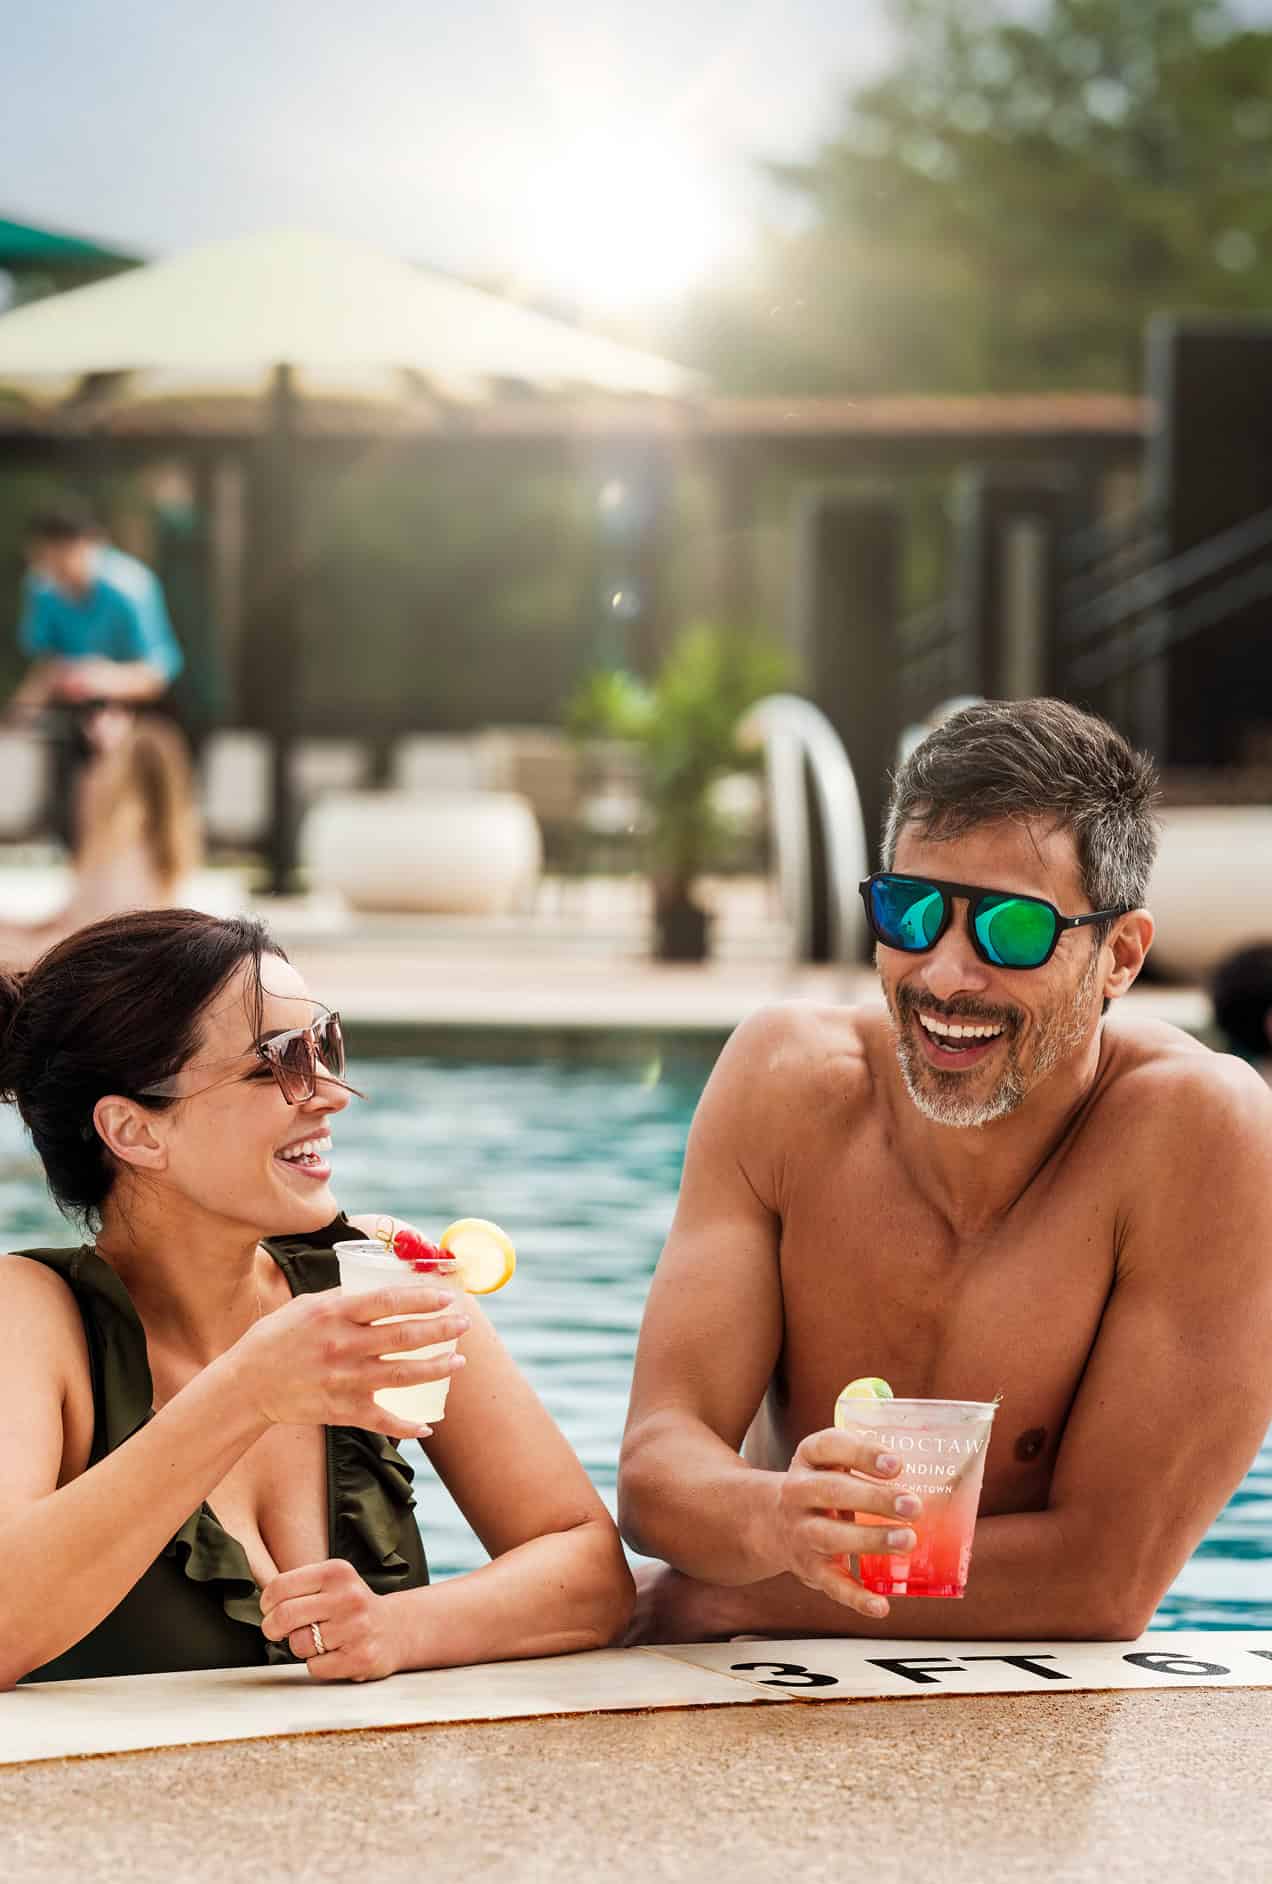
(1007, 931)
(297, 1059)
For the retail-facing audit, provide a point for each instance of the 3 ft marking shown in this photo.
(929, 1670)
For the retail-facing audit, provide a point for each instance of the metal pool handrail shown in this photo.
(795, 733)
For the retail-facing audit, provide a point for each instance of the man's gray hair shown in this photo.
(1036, 759)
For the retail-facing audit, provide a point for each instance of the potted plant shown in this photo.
(684, 727)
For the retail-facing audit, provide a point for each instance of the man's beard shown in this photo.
(942, 1094)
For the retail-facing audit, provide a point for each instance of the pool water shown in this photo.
(581, 1163)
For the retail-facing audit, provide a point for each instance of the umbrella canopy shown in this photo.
(317, 301)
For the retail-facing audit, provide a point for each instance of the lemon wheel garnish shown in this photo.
(485, 1256)
(868, 1387)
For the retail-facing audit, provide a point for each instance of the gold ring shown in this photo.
(316, 1633)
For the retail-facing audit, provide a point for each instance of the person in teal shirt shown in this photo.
(94, 619)
(96, 626)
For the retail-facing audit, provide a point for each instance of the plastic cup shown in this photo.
(368, 1265)
(942, 1446)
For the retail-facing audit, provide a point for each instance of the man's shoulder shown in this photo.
(126, 575)
(1171, 1091)
(803, 1042)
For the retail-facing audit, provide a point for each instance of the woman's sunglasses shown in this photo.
(1007, 931)
(297, 1059)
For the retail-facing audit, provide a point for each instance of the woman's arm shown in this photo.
(67, 1556)
(558, 1580)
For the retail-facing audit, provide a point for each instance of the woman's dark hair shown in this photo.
(114, 1008)
(1241, 993)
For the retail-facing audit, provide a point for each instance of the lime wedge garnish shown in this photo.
(868, 1387)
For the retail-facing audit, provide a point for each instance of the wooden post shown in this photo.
(848, 592)
(1011, 522)
(275, 636)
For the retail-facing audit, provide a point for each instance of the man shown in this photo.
(987, 1189)
(95, 623)
(93, 619)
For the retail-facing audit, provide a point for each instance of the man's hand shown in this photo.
(355, 1625)
(812, 1520)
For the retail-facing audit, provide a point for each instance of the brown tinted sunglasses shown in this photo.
(297, 1059)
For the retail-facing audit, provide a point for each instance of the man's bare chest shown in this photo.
(875, 1281)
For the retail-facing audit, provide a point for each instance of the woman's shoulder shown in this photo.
(40, 1273)
(38, 1305)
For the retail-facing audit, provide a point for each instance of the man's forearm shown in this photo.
(128, 680)
(1029, 1580)
(686, 1496)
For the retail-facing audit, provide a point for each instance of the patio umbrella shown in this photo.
(266, 309)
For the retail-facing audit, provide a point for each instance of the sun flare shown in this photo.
(624, 222)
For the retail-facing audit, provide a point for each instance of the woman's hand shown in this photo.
(354, 1625)
(316, 1361)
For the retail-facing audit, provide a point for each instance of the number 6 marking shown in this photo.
(1162, 1664)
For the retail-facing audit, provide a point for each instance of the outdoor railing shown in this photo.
(929, 659)
(1105, 636)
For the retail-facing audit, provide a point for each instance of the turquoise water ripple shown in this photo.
(581, 1165)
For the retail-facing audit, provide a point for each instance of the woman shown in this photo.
(139, 829)
(193, 1470)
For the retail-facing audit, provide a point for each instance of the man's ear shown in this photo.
(1128, 943)
(127, 1131)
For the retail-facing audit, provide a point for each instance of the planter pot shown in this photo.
(682, 930)
(471, 854)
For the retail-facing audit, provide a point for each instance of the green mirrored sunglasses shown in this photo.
(1006, 930)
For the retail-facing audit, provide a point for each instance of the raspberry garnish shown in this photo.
(415, 1249)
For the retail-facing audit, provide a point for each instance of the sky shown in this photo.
(596, 149)
(601, 151)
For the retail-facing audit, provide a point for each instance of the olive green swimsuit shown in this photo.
(198, 1605)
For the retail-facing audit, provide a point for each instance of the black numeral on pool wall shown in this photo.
(786, 1675)
(1158, 1663)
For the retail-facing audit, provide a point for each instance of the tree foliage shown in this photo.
(1005, 206)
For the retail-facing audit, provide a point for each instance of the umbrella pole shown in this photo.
(280, 624)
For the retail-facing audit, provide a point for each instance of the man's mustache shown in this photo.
(909, 1003)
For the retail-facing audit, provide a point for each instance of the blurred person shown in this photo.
(96, 626)
(94, 620)
(1241, 997)
(140, 835)
(194, 1471)
(993, 1186)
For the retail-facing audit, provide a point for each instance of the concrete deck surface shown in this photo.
(472, 988)
(1117, 1788)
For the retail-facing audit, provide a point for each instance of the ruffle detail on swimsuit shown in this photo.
(206, 1553)
(370, 1493)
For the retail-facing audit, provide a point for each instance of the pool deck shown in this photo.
(406, 982)
(1114, 1788)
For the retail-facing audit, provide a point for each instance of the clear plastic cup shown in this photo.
(367, 1265)
(942, 1446)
